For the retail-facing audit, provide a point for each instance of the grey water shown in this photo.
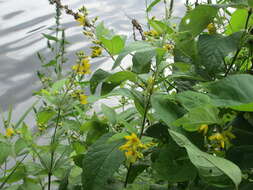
(22, 23)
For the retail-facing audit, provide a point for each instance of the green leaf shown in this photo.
(152, 4)
(214, 48)
(173, 165)
(160, 27)
(114, 45)
(19, 146)
(198, 116)
(5, 151)
(116, 79)
(238, 21)
(96, 78)
(142, 61)
(136, 170)
(138, 46)
(49, 37)
(209, 166)
(96, 129)
(100, 163)
(44, 116)
(196, 20)
(102, 31)
(191, 99)
(166, 109)
(50, 63)
(234, 91)
(109, 113)
(58, 85)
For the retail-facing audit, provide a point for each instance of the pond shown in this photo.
(22, 24)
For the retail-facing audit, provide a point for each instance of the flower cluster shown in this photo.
(81, 96)
(9, 132)
(133, 148)
(168, 47)
(211, 28)
(83, 67)
(220, 140)
(96, 51)
(151, 33)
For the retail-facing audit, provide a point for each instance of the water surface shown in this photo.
(22, 23)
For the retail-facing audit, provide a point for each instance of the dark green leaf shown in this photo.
(142, 61)
(100, 163)
(196, 20)
(209, 166)
(138, 46)
(96, 78)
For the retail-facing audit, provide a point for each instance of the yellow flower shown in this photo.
(132, 148)
(219, 138)
(151, 33)
(9, 132)
(168, 47)
(83, 99)
(204, 129)
(96, 51)
(211, 28)
(83, 67)
(81, 19)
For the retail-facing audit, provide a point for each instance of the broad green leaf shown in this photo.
(166, 109)
(19, 146)
(234, 91)
(44, 116)
(58, 85)
(208, 165)
(142, 61)
(158, 131)
(109, 113)
(114, 45)
(198, 116)
(138, 46)
(101, 161)
(214, 48)
(152, 4)
(136, 170)
(96, 129)
(196, 20)
(116, 79)
(238, 21)
(191, 99)
(173, 165)
(5, 151)
(186, 44)
(160, 27)
(102, 31)
(250, 2)
(97, 78)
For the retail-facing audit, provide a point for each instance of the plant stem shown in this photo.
(239, 49)
(12, 172)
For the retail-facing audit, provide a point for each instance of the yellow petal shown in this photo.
(9, 132)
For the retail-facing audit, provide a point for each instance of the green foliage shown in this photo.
(100, 162)
(182, 106)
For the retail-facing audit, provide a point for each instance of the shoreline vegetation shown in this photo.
(183, 114)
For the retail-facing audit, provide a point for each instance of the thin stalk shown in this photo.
(147, 15)
(12, 172)
(239, 49)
